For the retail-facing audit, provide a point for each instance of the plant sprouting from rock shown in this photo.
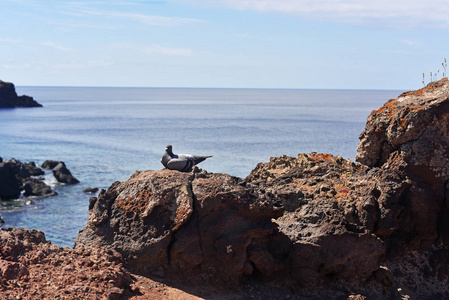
(444, 64)
(434, 75)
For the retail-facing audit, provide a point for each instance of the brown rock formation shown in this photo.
(33, 268)
(322, 226)
(409, 136)
(205, 225)
(331, 215)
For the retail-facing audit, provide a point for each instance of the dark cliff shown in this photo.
(9, 98)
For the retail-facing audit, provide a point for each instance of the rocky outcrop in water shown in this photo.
(9, 98)
(60, 171)
(90, 190)
(16, 177)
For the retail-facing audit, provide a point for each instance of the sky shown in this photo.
(300, 44)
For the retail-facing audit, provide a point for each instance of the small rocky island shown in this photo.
(315, 226)
(9, 98)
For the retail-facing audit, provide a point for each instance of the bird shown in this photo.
(180, 162)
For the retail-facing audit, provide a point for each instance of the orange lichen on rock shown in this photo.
(136, 204)
(429, 88)
(182, 214)
(317, 157)
(390, 107)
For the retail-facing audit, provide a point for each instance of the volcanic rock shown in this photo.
(50, 164)
(16, 176)
(90, 190)
(9, 185)
(200, 224)
(32, 169)
(33, 268)
(409, 136)
(36, 187)
(63, 175)
(9, 98)
(331, 216)
(317, 225)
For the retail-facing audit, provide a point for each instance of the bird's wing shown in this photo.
(182, 163)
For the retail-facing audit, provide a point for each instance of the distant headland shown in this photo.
(9, 98)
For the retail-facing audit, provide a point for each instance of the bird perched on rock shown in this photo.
(180, 162)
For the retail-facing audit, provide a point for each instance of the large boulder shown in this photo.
(36, 187)
(409, 136)
(10, 187)
(63, 175)
(60, 171)
(9, 98)
(208, 226)
(331, 216)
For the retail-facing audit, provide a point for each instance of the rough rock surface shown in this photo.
(331, 216)
(9, 98)
(33, 268)
(206, 225)
(409, 136)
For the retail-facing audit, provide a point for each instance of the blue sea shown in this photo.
(105, 134)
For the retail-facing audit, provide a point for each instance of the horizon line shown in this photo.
(214, 88)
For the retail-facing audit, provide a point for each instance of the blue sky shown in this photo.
(349, 44)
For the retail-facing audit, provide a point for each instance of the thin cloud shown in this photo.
(55, 46)
(9, 41)
(149, 19)
(410, 43)
(81, 65)
(17, 43)
(168, 51)
(82, 9)
(25, 66)
(399, 14)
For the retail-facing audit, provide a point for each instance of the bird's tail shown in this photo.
(198, 159)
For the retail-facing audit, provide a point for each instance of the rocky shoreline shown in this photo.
(315, 226)
(10, 99)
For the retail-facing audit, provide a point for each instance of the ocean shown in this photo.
(105, 134)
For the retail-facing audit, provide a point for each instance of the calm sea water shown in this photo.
(105, 134)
